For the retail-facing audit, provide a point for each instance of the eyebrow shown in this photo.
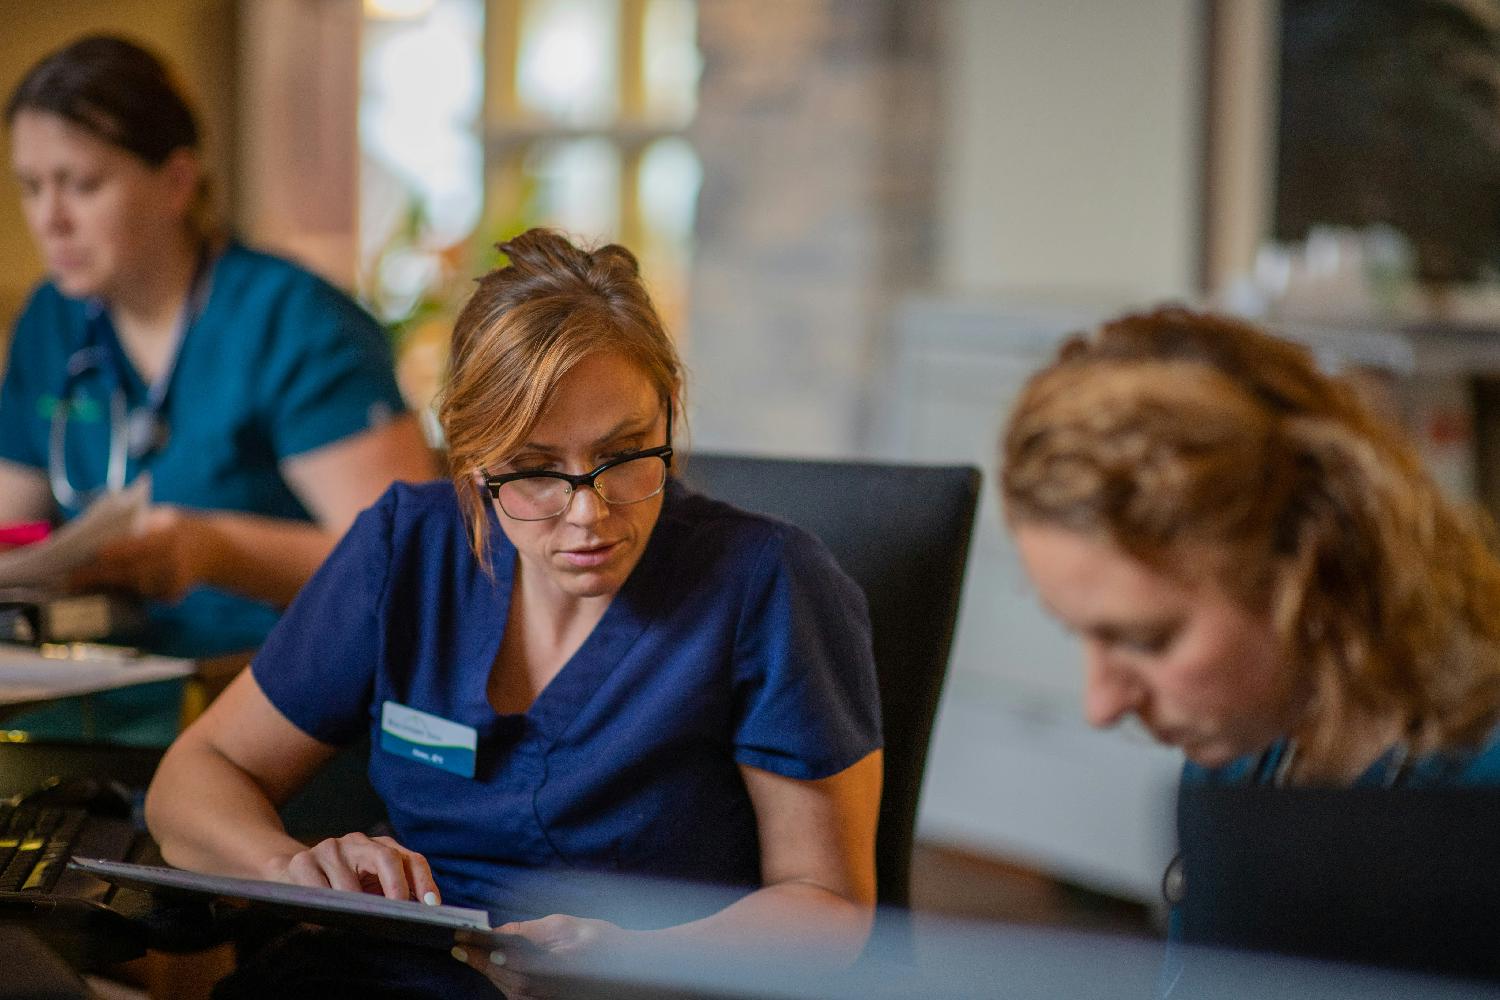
(630, 425)
(1108, 628)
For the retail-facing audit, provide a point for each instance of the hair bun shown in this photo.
(542, 251)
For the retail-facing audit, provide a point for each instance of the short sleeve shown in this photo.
(807, 701)
(318, 664)
(21, 402)
(330, 374)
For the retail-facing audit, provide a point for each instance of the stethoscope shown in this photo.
(133, 434)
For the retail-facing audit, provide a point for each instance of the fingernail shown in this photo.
(459, 954)
(497, 957)
(430, 899)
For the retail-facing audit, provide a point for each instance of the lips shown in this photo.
(587, 557)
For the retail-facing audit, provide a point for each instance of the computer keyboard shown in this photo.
(36, 842)
(34, 845)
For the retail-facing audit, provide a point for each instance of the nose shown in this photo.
(1109, 693)
(51, 211)
(586, 507)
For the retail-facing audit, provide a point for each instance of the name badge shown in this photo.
(427, 739)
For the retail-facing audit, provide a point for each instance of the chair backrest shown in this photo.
(902, 533)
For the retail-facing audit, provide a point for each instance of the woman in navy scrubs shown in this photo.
(565, 661)
(1259, 567)
(260, 400)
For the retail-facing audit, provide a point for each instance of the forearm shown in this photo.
(24, 495)
(208, 815)
(798, 920)
(262, 557)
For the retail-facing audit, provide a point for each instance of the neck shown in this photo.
(149, 307)
(1344, 746)
(553, 613)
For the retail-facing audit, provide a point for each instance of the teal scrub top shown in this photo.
(277, 363)
(1455, 767)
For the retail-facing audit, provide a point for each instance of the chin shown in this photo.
(75, 286)
(1210, 757)
(591, 585)
(1216, 754)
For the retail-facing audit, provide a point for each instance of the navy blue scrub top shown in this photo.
(736, 640)
(278, 363)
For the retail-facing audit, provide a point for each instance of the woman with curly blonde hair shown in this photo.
(1257, 564)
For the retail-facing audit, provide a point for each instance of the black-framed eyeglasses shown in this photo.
(624, 479)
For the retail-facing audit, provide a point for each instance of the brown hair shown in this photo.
(525, 327)
(1174, 433)
(122, 93)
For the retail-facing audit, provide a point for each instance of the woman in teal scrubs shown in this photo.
(259, 399)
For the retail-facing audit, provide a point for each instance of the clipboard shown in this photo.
(407, 921)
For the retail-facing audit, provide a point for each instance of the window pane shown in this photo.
(669, 179)
(576, 186)
(397, 9)
(567, 66)
(422, 172)
(672, 62)
(667, 196)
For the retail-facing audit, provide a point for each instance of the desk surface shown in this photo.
(28, 676)
(23, 766)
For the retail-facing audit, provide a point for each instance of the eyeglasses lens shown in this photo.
(540, 498)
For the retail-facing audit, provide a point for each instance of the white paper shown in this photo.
(26, 675)
(73, 545)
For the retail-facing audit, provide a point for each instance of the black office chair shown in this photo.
(902, 532)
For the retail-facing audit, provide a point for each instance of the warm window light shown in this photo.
(567, 67)
(397, 10)
(423, 88)
(577, 184)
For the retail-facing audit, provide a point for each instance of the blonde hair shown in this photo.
(1174, 432)
(526, 326)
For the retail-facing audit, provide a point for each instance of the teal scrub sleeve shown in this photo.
(332, 378)
(807, 701)
(23, 393)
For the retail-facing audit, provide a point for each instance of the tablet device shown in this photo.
(402, 920)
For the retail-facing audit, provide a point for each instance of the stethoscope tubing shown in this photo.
(127, 438)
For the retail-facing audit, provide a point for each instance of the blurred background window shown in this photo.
(422, 154)
(479, 118)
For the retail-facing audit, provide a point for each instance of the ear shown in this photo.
(182, 176)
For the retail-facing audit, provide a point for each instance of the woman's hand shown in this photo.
(171, 550)
(357, 863)
(514, 969)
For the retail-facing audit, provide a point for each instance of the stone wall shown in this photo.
(818, 126)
